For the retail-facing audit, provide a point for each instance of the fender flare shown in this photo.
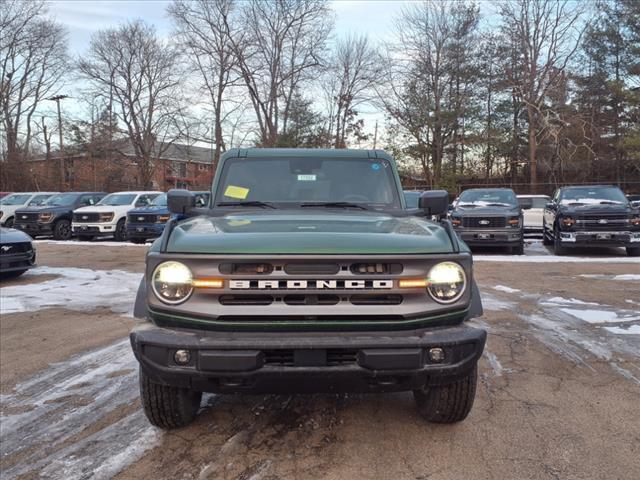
(475, 305)
(140, 307)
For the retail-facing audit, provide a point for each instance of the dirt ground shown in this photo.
(558, 393)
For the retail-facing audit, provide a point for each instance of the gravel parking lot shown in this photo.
(557, 398)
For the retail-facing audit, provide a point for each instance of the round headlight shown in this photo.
(172, 282)
(446, 282)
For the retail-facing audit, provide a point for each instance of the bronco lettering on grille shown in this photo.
(310, 284)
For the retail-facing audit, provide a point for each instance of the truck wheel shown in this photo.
(8, 222)
(62, 230)
(558, 249)
(633, 251)
(120, 234)
(545, 238)
(519, 250)
(448, 403)
(168, 407)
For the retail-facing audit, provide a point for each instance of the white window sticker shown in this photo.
(306, 178)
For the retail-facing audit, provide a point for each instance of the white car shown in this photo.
(16, 201)
(108, 216)
(533, 210)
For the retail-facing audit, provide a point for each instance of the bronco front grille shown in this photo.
(484, 222)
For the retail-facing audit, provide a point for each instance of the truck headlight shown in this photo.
(45, 217)
(106, 217)
(446, 282)
(172, 282)
(163, 218)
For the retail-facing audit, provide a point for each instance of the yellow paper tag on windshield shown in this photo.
(236, 192)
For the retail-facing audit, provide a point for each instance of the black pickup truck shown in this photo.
(591, 216)
(54, 217)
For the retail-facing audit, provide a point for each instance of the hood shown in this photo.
(103, 208)
(596, 209)
(10, 235)
(147, 210)
(308, 232)
(46, 208)
(484, 211)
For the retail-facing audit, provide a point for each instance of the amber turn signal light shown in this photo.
(207, 283)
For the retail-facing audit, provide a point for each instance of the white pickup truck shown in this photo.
(533, 210)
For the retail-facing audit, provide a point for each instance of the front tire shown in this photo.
(62, 230)
(558, 249)
(545, 237)
(168, 407)
(120, 234)
(448, 403)
(633, 251)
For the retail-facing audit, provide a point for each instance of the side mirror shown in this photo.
(550, 205)
(434, 202)
(525, 203)
(180, 201)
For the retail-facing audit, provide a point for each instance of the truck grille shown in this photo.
(86, 217)
(602, 222)
(484, 222)
(306, 300)
(142, 218)
(26, 217)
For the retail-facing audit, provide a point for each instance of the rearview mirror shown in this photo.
(525, 203)
(180, 201)
(434, 202)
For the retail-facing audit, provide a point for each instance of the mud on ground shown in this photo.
(557, 394)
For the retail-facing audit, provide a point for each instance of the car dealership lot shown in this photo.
(557, 398)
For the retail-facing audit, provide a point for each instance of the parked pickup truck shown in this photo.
(54, 217)
(591, 216)
(307, 273)
(148, 222)
(489, 217)
(108, 217)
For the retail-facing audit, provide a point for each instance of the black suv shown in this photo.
(489, 217)
(54, 217)
(598, 215)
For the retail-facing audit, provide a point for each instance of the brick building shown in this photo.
(179, 166)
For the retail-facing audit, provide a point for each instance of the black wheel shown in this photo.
(545, 237)
(448, 403)
(138, 241)
(633, 251)
(168, 407)
(62, 230)
(558, 249)
(85, 238)
(10, 275)
(519, 250)
(120, 234)
(8, 222)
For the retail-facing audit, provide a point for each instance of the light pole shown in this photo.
(57, 99)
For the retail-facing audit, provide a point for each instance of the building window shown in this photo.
(183, 170)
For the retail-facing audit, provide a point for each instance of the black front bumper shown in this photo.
(18, 261)
(228, 362)
(599, 239)
(35, 229)
(491, 237)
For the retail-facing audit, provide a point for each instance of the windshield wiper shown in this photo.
(576, 203)
(609, 202)
(245, 204)
(498, 204)
(467, 205)
(334, 205)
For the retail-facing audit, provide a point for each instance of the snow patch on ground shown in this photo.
(503, 288)
(632, 330)
(567, 301)
(599, 316)
(65, 399)
(627, 277)
(490, 302)
(496, 366)
(552, 259)
(75, 289)
(93, 244)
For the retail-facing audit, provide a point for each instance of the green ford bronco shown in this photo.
(307, 273)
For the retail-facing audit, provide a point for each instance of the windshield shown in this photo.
(116, 199)
(159, 201)
(593, 196)
(298, 181)
(485, 198)
(62, 200)
(15, 199)
(39, 200)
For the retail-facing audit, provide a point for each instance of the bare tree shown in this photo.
(352, 74)
(204, 31)
(547, 33)
(140, 72)
(278, 45)
(33, 60)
